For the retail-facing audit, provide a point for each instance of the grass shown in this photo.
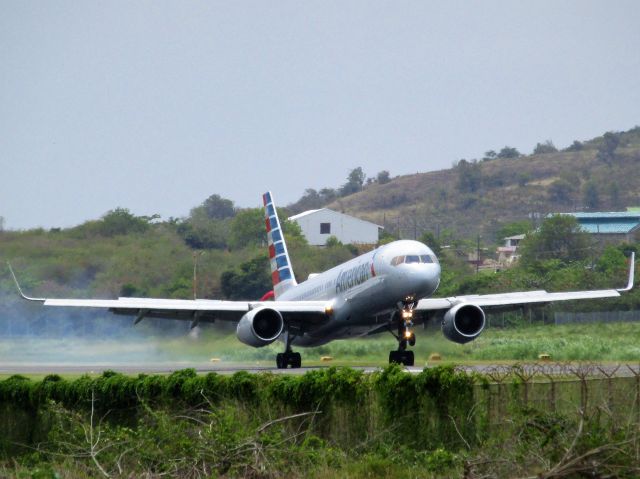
(577, 342)
(610, 342)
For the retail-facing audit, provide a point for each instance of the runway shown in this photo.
(491, 370)
(8, 368)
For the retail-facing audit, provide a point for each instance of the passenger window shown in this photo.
(412, 259)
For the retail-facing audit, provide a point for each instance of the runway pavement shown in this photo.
(557, 369)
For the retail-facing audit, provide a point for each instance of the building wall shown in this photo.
(346, 228)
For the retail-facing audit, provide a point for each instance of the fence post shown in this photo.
(583, 371)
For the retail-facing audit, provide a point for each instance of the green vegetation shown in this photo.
(593, 342)
(335, 422)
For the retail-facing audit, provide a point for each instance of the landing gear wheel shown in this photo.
(280, 361)
(401, 357)
(412, 339)
(408, 358)
(295, 360)
(284, 360)
(394, 357)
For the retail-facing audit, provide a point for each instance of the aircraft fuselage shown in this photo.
(366, 287)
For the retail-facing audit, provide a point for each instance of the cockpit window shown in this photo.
(425, 258)
(397, 260)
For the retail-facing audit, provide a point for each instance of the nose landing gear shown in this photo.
(405, 337)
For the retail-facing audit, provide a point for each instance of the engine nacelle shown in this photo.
(260, 327)
(463, 323)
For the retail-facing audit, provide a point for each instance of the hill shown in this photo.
(479, 196)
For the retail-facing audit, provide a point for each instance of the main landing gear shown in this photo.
(405, 337)
(288, 358)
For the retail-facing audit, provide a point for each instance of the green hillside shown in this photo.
(478, 196)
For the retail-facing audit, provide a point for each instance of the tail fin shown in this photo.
(281, 271)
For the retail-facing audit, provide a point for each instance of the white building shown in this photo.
(318, 225)
(508, 254)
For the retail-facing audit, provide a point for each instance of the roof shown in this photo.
(516, 237)
(310, 212)
(304, 213)
(610, 222)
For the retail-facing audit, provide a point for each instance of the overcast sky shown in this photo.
(155, 105)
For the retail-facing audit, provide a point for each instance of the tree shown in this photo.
(333, 242)
(575, 146)
(561, 190)
(489, 155)
(524, 178)
(248, 229)
(383, 177)
(431, 241)
(558, 238)
(606, 150)
(612, 261)
(614, 195)
(121, 222)
(252, 280)
(509, 152)
(469, 176)
(204, 234)
(591, 197)
(354, 183)
(545, 148)
(292, 231)
(218, 208)
(328, 195)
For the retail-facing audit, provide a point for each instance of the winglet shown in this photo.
(632, 268)
(24, 296)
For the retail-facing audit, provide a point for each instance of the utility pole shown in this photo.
(478, 255)
(196, 255)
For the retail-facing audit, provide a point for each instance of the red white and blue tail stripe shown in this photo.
(281, 271)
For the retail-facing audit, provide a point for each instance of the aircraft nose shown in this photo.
(425, 279)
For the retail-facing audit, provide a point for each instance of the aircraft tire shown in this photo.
(281, 362)
(412, 340)
(295, 360)
(408, 358)
(394, 357)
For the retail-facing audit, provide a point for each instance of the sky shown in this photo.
(156, 105)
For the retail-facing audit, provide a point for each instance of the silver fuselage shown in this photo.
(365, 290)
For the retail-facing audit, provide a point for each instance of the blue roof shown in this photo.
(607, 215)
(611, 222)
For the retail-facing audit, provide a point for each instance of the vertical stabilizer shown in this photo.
(281, 271)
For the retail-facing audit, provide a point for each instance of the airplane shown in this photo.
(388, 289)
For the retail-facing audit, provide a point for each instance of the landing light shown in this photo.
(407, 314)
(407, 334)
(328, 310)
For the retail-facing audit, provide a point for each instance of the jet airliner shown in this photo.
(388, 289)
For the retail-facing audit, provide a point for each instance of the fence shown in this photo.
(568, 389)
(596, 317)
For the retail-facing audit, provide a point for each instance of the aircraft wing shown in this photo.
(199, 310)
(195, 310)
(516, 299)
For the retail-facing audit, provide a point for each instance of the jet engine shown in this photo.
(260, 327)
(463, 323)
